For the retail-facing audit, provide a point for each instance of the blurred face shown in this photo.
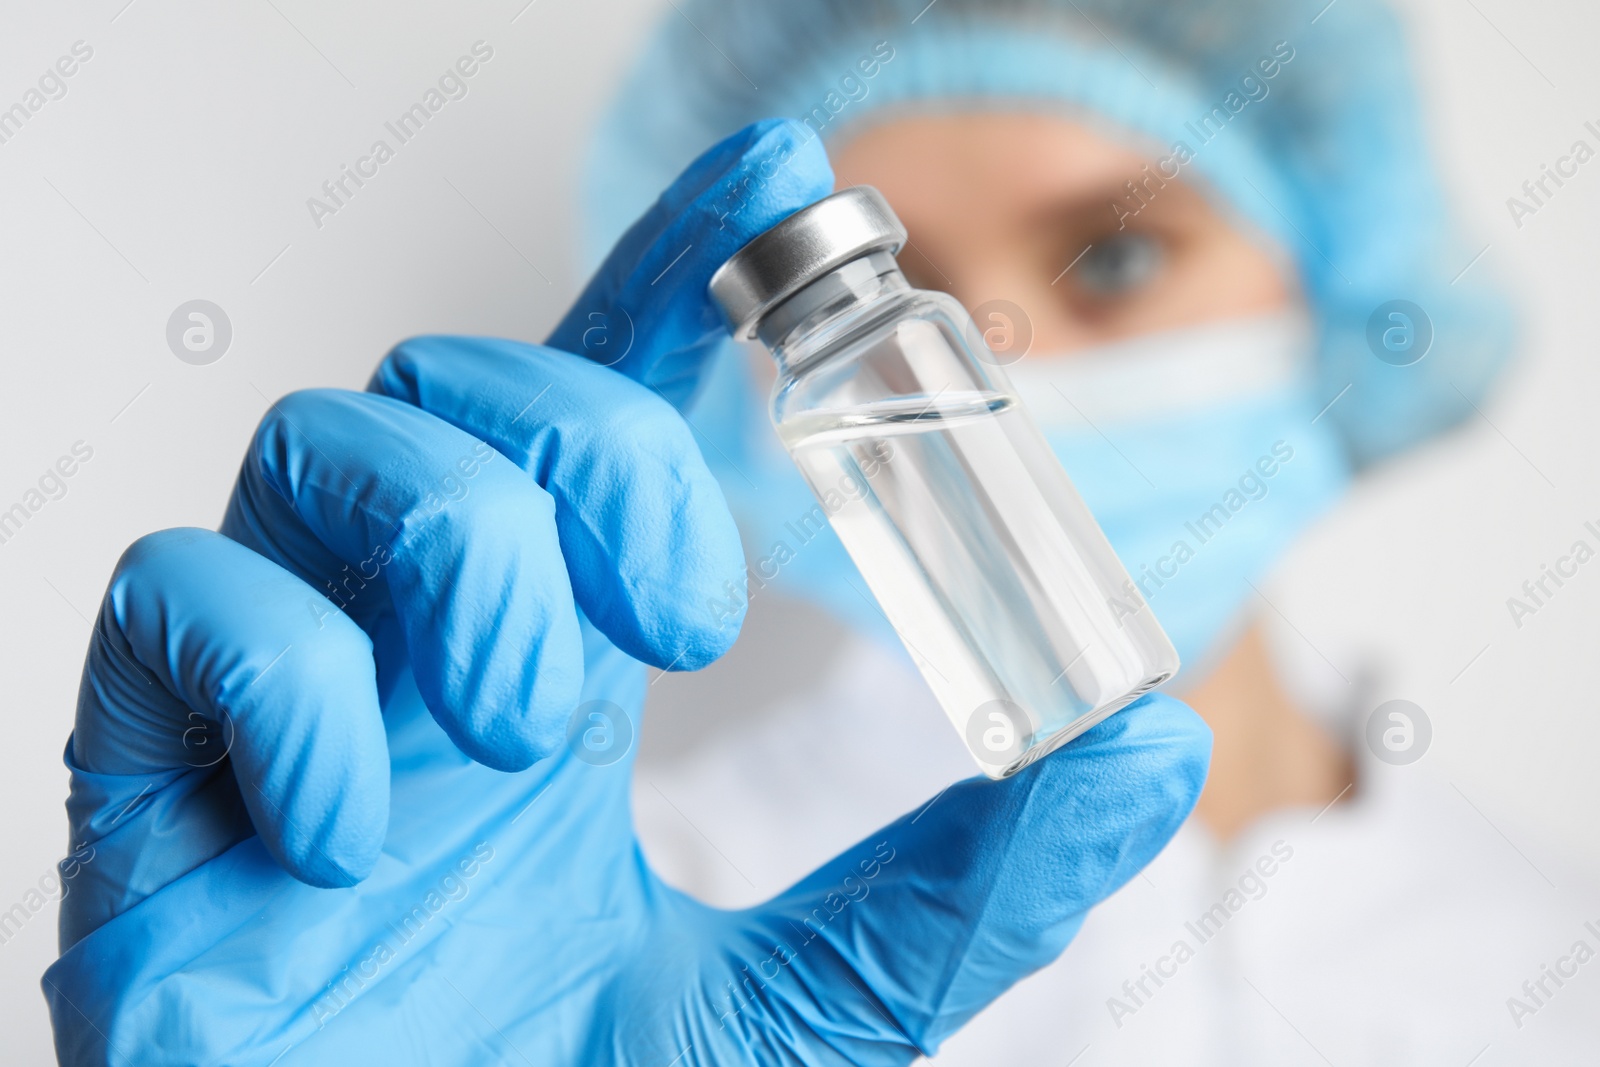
(998, 205)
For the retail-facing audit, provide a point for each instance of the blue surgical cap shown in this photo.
(1300, 118)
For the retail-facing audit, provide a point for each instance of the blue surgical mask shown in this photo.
(1199, 452)
(1203, 457)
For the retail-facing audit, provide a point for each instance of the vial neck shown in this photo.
(835, 293)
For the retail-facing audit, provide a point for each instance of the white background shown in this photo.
(178, 165)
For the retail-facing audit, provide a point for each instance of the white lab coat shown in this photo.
(1393, 927)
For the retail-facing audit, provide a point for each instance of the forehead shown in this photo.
(981, 156)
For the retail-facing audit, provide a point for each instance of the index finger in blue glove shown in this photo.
(394, 513)
(651, 548)
(914, 931)
(647, 311)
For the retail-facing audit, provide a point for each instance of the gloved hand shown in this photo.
(321, 769)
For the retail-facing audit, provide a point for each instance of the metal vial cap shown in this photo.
(783, 260)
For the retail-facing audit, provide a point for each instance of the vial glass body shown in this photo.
(960, 519)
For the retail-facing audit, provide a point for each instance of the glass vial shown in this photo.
(977, 547)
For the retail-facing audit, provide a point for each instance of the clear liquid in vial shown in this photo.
(964, 533)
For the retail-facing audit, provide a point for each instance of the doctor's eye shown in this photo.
(1119, 264)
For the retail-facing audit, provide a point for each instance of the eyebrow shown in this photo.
(1108, 200)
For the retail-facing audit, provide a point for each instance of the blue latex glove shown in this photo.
(414, 589)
